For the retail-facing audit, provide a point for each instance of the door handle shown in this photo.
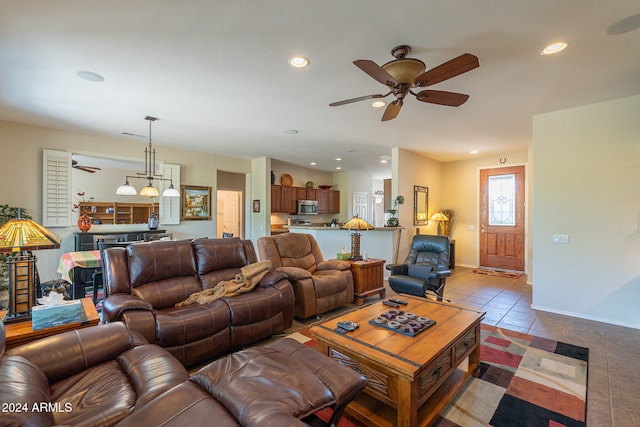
(482, 230)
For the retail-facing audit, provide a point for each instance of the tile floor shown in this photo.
(613, 398)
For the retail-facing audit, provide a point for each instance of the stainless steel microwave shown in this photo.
(307, 207)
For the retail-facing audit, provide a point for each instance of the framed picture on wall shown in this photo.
(196, 203)
(256, 205)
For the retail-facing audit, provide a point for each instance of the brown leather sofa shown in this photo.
(90, 377)
(319, 285)
(106, 375)
(146, 280)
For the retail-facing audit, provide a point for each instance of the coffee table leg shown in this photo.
(407, 403)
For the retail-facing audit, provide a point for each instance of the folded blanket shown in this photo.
(249, 276)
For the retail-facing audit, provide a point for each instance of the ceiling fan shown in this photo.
(403, 74)
(90, 169)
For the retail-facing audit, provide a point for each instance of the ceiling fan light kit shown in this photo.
(403, 74)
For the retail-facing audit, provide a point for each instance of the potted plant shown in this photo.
(393, 221)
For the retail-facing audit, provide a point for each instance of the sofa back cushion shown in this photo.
(162, 272)
(221, 259)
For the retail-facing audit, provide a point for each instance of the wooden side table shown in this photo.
(22, 332)
(368, 278)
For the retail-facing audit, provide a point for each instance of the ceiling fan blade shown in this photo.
(88, 169)
(375, 71)
(451, 99)
(392, 110)
(360, 98)
(455, 67)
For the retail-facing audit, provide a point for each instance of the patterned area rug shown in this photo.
(499, 273)
(524, 381)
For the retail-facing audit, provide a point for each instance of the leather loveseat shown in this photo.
(145, 281)
(106, 375)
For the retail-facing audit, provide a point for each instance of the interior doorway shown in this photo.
(502, 222)
(229, 204)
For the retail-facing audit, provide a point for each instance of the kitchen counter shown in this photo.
(381, 242)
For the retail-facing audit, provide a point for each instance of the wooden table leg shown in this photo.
(407, 403)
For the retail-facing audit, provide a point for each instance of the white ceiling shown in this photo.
(216, 74)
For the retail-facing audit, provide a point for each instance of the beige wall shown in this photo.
(586, 170)
(461, 191)
(21, 153)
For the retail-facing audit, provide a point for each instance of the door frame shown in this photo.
(526, 211)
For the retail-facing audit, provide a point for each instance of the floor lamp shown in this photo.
(356, 224)
(18, 237)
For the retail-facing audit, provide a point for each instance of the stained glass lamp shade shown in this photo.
(356, 224)
(18, 237)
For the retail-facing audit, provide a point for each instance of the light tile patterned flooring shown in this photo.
(613, 398)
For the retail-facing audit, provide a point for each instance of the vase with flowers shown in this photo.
(393, 220)
(84, 220)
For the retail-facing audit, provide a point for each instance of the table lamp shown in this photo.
(18, 237)
(440, 217)
(356, 224)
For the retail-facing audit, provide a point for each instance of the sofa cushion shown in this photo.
(258, 383)
(168, 292)
(182, 325)
(329, 282)
(185, 405)
(156, 261)
(219, 254)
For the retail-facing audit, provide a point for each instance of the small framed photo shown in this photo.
(196, 203)
(256, 205)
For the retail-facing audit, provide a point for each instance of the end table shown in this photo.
(368, 278)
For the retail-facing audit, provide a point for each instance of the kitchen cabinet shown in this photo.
(289, 200)
(284, 199)
(276, 198)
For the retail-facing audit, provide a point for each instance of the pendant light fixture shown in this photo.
(149, 174)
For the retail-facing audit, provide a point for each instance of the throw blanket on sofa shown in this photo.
(249, 276)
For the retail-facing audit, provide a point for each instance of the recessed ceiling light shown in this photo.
(384, 161)
(313, 163)
(299, 62)
(554, 48)
(378, 104)
(338, 167)
(291, 131)
(473, 152)
(338, 159)
(90, 76)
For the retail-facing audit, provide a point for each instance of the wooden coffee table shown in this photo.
(410, 379)
(19, 333)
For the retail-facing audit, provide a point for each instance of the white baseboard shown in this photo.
(584, 316)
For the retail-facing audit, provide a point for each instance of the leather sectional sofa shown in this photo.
(107, 375)
(145, 281)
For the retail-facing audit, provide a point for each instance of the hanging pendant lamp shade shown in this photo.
(149, 174)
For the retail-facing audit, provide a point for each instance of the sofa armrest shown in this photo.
(294, 273)
(271, 278)
(398, 269)
(333, 264)
(23, 385)
(116, 304)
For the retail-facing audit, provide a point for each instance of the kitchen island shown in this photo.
(381, 242)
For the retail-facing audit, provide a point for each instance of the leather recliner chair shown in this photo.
(318, 285)
(425, 269)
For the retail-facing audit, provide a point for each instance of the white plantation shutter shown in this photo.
(169, 206)
(56, 188)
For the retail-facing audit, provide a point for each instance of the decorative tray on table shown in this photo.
(402, 322)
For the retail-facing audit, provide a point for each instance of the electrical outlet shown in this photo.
(561, 239)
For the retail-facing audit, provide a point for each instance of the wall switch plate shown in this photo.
(561, 239)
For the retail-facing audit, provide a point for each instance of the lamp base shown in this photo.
(355, 258)
(17, 317)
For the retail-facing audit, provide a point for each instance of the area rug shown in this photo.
(499, 273)
(524, 381)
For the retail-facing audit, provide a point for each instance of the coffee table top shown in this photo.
(406, 354)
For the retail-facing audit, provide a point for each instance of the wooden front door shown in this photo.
(502, 218)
